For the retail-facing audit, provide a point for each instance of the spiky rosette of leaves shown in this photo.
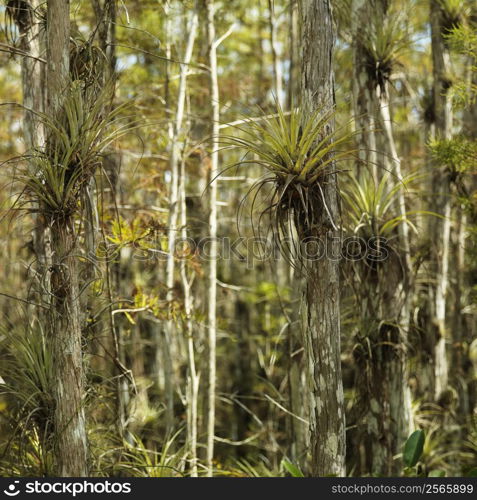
(454, 13)
(76, 139)
(298, 152)
(384, 40)
(27, 369)
(369, 205)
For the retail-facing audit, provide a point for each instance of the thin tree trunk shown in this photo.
(174, 211)
(322, 298)
(105, 15)
(33, 84)
(383, 393)
(363, 92)
(277, 70)
(441, 202)
(212, 294)
(70, 427)
(293, 48)
(192, 378)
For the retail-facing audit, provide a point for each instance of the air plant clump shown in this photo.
(28, 375)
(86, 61)
(383, 42)
(370, 205)
(75, 141)
(454, 13)
(298, 152)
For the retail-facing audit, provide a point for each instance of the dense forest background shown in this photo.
(238, 238)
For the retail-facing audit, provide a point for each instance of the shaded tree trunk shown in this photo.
(363, 92)
(321, 319)
(65, 320)
(441, 204)
(32, 42)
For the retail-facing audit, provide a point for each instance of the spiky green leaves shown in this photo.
(369, 205)
(76, 140)
(298, 151)
(454, 13)
(290, 144)
(384, 39)
(459, 154)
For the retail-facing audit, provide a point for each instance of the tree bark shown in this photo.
(174, 162)
(192, 392)
(65, 321)
(70, 426)
(214, 164)
(440, 203)
(363, 92)
(322, 296)
(276, 63)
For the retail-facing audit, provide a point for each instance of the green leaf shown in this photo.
(437, 473)
(292, 469)
(413, 448)
(471, 473)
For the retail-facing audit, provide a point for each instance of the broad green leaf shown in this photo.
(413, 448)
(292, 469)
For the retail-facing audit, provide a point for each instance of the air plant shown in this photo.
(139, 461)
(298, 152)
(454, 13)
(369, 205)
(55, 175)
(384, 40)
(27, 368)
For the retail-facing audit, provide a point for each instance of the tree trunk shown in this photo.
(363, 92)
(441, 204)
(293, 49)
(321, 320)
(276, 63)
(192, 392)
(174, 214)
(214, 165)
(65, 320)
(32, 42)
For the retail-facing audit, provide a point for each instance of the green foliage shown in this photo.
(384, 39)
(413, 448)
(296, 144)
(291, 468)
(139, 461)
(459, 154)
(463, 39)
(76, 139)
(27, 370)
(454, 13)
(437, 473)
(247, 468)
(370, 206)
(298, 151)
(124, 233)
